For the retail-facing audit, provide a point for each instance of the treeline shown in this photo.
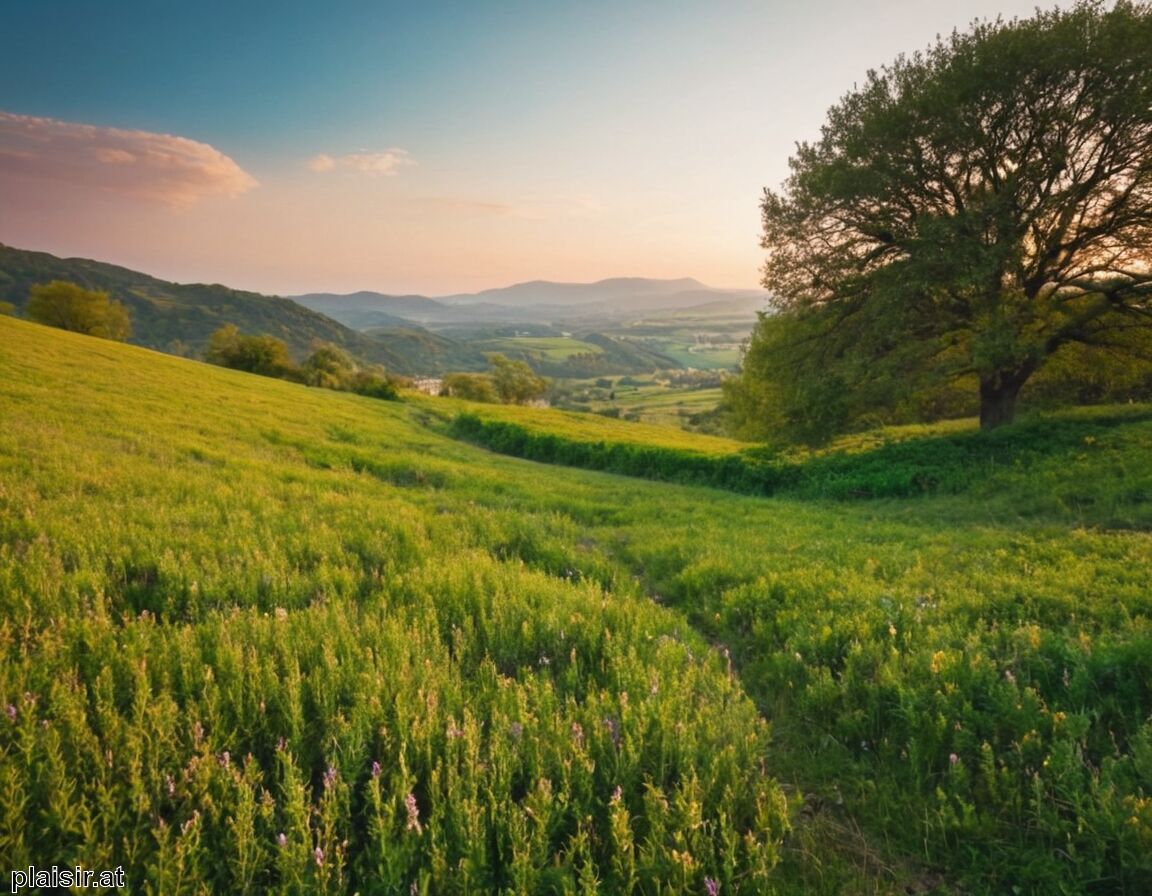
(328, 366)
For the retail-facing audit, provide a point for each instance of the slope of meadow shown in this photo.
(259, 636)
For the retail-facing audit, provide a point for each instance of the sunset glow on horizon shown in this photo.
(443, 148)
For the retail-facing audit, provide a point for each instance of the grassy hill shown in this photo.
(259, 637)
(179, 318)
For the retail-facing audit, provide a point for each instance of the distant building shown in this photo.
(429, 385)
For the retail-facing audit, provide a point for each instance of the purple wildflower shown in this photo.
(413, 813)
(11, 712)
(318, 855)
(711, 886)
(281, 840)
(578, 733)
(953, 758)
(613, 731)
(191, 822)
(329, 777)
(375, 769)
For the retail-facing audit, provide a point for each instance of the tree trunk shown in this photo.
(998, 397)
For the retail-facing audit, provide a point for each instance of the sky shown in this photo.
(425, 147)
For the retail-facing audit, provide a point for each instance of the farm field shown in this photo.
(660, 405)
(539, 348)
(261, 637)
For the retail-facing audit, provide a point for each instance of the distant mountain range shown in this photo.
(408, 334)
(538, 301)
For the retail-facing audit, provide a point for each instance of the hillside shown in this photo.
(266, 638)
(179, 318)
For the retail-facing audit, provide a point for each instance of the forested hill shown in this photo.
(179, 318)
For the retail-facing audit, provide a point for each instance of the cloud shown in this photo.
(322, 162)
(163, 168)
(388, 162)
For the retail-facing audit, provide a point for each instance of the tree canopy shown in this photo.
(968, 212)
(507, 381)
(263, 354)
(70, 306)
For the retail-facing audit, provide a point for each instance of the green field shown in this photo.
(542, 348)
(661, 405)
(263, 638)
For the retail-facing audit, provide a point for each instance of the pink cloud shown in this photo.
(162, 168)
(388, 162)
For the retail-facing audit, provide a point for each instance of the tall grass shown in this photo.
(239, 657)
(235, 609)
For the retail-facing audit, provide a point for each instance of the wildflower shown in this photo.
(578, 733)
(281, 840)
(225, 759)
(11, 712)
(1008, 676)
(318, 855)
(617, 794)
(329, 777)
(375, 769)
(280, 745)
(953, 758)
(414, 890)
(613, 731)
(413, 813)
(711, 886)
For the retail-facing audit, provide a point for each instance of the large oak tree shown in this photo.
(972, 209)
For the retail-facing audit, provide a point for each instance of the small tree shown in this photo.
(71, 307)
(470, 386)
(972, 210)
(515, 381)
(328, 366)
(265, 355)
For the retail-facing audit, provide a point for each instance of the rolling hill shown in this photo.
(256, 637)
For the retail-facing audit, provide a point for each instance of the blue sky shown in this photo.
(432, 147)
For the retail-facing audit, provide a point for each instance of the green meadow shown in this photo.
(540, 348)
(258, 637)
